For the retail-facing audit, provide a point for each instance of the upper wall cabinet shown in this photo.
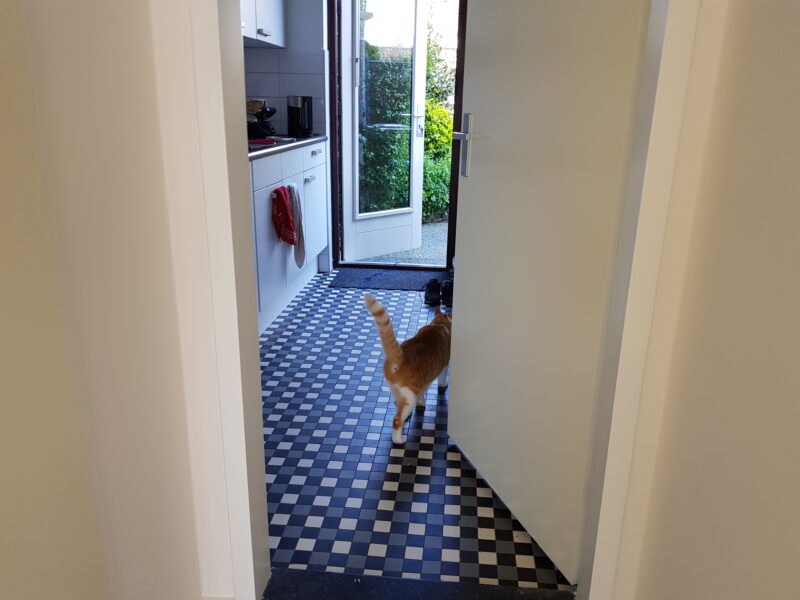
(263, 23)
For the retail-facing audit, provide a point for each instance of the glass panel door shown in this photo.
(388, 128)
(385, 111)
(384, 105)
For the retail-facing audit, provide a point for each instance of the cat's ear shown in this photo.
(438, 311)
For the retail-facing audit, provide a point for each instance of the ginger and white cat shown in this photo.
(410, 367)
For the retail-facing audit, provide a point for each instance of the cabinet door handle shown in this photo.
(263, 32)
(309, 179)
(315, 152)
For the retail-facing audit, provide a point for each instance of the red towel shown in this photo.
(282, 215)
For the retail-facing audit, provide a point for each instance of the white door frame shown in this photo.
(198, 56)
(205, 167)
(690, 47)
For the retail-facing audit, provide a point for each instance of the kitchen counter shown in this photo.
(278, 148)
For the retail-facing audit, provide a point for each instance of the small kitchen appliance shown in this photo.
(300, 119)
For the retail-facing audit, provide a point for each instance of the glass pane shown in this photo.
(384, 106)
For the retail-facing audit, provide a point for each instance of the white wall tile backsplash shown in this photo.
(293, 61)
(276, 73)
(262, 84)
(302, 84)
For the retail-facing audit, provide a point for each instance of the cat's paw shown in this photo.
(421, 402)
(398, 437)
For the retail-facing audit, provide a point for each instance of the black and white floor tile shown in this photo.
(341, 497)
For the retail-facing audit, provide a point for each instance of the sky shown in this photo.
(392, 23)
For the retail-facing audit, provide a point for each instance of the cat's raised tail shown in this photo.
(394, 355)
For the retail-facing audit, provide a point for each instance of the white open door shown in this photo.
(384, 117)
(551, 88)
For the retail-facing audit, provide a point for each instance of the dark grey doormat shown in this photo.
(385, 279)
(290, 584)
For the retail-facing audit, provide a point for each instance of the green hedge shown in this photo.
(384, 176)
(436, 167)
(383, 181)
(435, 188)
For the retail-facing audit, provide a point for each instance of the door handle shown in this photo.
(263, 32)
(309, 179)
(465, 137)
(420, 126)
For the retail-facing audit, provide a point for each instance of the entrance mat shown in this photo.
(385, 279)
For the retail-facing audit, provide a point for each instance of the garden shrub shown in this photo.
(435, 187)
(438, 130)
(384, 180)
(384, 177)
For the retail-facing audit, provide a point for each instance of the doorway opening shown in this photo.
(399, 94)
(342, 497)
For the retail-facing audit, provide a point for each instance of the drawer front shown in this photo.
(315, 210)
(291, 163)
(266, 171)
(313, 155)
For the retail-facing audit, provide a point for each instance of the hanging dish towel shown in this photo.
(297, 211)
(282, 215)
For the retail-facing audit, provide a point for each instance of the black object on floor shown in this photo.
(385, 279)
(447, 293)
(433, 296)
(291, 584)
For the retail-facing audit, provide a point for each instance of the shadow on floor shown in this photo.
(289, 584)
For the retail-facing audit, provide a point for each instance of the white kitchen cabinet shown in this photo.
(270, 23)
(313, 156)
(279, 278)
(315, 202)
(263, 23)
(248, 13)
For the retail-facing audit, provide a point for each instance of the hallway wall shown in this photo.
(93, 77)
(49, 541)
(723, 521)
(99, 498)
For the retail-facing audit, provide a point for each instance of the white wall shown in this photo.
(112, 270)
(50, 542)
(722, 520)
(104, 184)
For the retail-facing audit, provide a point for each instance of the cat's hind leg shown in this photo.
(405, 401)
(443, 379)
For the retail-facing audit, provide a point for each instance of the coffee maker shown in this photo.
(300, 119)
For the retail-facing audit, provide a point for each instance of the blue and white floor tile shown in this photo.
(341, 497)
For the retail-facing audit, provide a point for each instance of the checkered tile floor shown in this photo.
(341, 497)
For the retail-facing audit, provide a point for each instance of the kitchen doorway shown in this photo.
(398, 78)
